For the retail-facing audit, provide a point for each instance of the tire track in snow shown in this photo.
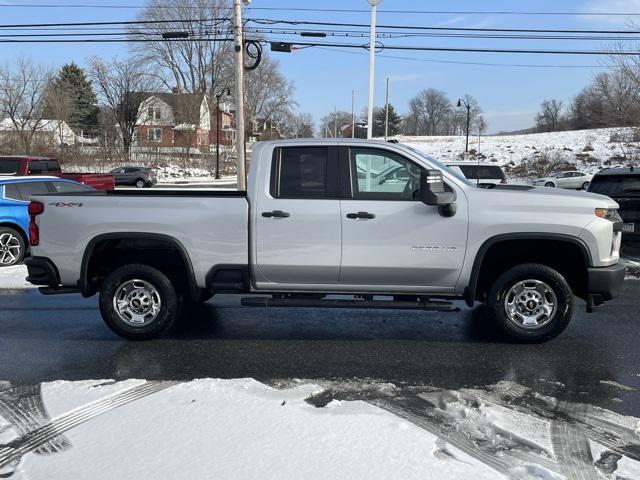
(571, 444)
(35, 439)
(406, 411)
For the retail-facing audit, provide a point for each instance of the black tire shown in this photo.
(140, 183)
(12, 247)
(585, 186)
(163, 320)
(548, 329)
(550, 185)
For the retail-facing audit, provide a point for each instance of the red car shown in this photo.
(20, 166)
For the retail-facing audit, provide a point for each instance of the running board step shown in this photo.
(440, 306)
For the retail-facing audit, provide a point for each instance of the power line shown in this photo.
(447, 12)
(455, 62)
(132, 22)
(327, 10)
(268, 21)
(383, 47)
(391, 34)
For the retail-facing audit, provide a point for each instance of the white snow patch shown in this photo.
(13, 278)
(504, 149)
(627, 467)
(239, 429)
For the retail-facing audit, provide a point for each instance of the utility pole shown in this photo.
(386, 114)
(335, 122)
(372, 65)
(353, 114)
(239, 81)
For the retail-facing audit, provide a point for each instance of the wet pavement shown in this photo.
(595, 361)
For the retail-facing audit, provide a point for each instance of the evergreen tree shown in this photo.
(379, 119)
(71, 87)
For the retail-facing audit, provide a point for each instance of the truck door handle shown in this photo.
(364, 215)
(275, 214)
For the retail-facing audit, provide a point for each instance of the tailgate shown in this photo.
(99, 181)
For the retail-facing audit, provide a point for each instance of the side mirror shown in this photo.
(433, 193)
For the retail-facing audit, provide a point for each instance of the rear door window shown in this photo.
(27, 189)
(303, 172)
(9, 166)
(69, 187)
(11, 191)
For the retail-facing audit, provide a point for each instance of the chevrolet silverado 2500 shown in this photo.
(319, 226)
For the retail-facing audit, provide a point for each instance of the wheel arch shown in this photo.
(18, 229)
(511, 241)
(115, 238)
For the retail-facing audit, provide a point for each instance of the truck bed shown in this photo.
(212, 226)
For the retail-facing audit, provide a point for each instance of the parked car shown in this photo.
(623, 186)
(18, 166)
(307, 228)
(139, 176)
(482, 174)
(15, 194)
(572, 180)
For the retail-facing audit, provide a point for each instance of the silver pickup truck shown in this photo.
(333, 223)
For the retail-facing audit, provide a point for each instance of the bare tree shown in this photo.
(267, 92)
(22, 91)
(119, 84)
(548, 119)
(200, 63)
(59, 106)
(303, 126)
(431, 110)
(332, 123)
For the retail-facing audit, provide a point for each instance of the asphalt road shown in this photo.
(63, 337)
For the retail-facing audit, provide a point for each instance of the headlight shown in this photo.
(610, 214)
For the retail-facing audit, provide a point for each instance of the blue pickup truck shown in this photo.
(15, 194)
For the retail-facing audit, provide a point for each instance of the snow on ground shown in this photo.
(504, 149)
(14, 278)
(240, 428)
(228, 429)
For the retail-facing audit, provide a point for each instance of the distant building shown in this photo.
(47, 131)
(360, 132)
(181, 120)
(173, 120)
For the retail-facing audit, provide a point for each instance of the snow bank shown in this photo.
(233, 429)
(240, 428)
(504, 149)
(14, 278)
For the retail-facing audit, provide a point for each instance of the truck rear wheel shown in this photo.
(531, 303)
(138, 302)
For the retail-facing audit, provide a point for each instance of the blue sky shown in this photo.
(324, 79)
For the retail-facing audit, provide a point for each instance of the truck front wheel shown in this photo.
(138, 302)
(531, 303)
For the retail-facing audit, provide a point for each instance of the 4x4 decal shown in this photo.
(64, 204)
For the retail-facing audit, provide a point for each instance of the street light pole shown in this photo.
(372, 65)
(218, 118)
(460, 103)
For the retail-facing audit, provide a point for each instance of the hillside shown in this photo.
(589, 150)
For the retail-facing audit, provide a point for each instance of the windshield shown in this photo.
(9, 166)
(616, 185)
(440, 166)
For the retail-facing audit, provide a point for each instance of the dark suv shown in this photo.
(623, 186)
(139, 176)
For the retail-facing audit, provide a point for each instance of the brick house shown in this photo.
(173, 120)
(227, 131)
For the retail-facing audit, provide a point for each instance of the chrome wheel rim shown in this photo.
(530, 304)
(137, 302)
(140, 184)
(10, 249)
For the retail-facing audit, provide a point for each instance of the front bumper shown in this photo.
(605, 283)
